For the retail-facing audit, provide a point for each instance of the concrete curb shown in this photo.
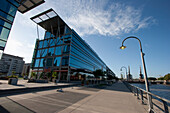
(9, 92)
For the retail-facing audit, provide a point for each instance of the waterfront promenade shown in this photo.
(93, 99)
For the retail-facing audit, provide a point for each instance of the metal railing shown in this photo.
(140, 95)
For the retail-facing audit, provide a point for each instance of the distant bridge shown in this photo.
(166, 82)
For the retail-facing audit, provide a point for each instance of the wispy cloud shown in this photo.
(101, 17)
(22, 49)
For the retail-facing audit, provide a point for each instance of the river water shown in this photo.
(157, 89)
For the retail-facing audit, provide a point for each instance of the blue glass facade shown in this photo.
(64, 51)
(8, 9)
(7, 14)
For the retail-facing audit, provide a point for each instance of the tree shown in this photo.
(33, 74)
(13, 75)
(54, 75)
(161, 78)
(98, 73)
(167, 76)
(110, 77)
(152, 78)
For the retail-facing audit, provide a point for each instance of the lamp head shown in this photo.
(122, 47)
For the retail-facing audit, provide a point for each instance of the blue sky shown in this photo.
(103, 24)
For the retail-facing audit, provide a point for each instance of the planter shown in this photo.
(37, 81)
(13, 81)
(41, 81)
(56, 80)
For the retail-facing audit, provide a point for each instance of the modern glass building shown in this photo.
(62, 50)
(8, 9)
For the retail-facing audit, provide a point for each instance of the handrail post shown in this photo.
(137, 93)
(134, 91)
(165, 106)
(141, 93)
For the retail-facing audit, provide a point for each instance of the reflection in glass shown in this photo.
(66, 49)
(44, 52)
(49, 62)
(57, 61)
(52, 42)
(58, 50)
(51, 51)
(36, 62)
(40, 44)
(45, 44)
(47, 35)
(4, 33)
(2, 44)
(38, 53)
(42, 62)
(65, 60)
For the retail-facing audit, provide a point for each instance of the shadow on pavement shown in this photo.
(3, 110)
(18, 85)
(30, 90)
(118, 86)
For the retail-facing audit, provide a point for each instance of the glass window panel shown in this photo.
(52, 42)
(57, 61)
(49, 62)
(45, 44)
(36, 62)
(37, 20)
(2, 44)
(6, 16)
(40, 44)
(58, 50)
(44, 17)
(12, 10)
(65, 60)
(68, 30)
(51, 14)
(44, 52)
(42, 62)
(38, 53)
(66, 49)
(3, 23)
(59, 41)
(7, 7)
(4, 33)
(51, 51)
(14, 2)
(47, 35)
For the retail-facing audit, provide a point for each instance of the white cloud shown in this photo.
(21, 49)
(86, 17)
(100, 17)
(94, 16)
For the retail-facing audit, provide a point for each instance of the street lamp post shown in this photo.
(126, 70)
(145, 73)
(122, 75)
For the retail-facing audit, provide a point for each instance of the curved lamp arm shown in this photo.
(123, 47)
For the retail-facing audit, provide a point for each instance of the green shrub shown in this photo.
(54, 75)
(167, 76)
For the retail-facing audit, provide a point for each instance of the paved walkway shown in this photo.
(111, 99)
(114, 99)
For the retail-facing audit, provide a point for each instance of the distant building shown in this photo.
(140, 74)
(26, 69)
(129, 76)
(63, 51)
(8, 9)
(10, 63)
